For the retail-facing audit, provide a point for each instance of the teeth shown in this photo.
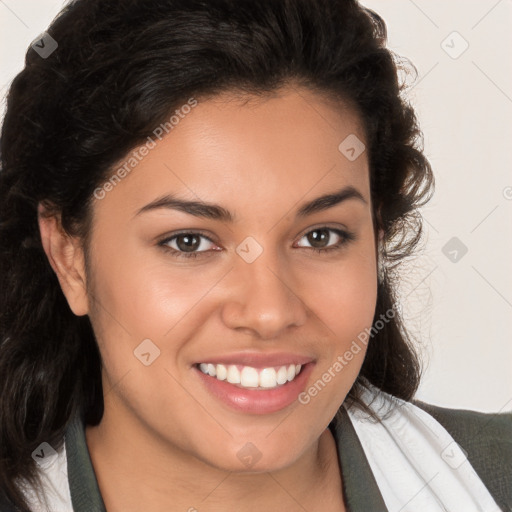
(249, 377)
(291, 372)
(212, 370)
(233, 375)
(282, 375)
(268, 378)
(221, 371)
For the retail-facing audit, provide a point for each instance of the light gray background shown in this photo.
(459, 311)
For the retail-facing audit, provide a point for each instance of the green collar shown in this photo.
(83, 486)
(360, 488)
(359, 485)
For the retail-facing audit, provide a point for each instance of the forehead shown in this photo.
(230, 149)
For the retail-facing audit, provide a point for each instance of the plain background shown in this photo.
(457, 305)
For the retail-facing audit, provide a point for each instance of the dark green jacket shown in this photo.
(486, 437)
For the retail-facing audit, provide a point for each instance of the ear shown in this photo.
(67, 260)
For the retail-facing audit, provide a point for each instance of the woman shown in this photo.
(203, 210)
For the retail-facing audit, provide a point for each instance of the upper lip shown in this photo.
(258, 359)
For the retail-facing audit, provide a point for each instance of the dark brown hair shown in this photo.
(120, 68)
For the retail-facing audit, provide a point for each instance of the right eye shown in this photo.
(186, 244)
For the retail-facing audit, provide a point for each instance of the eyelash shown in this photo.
(346, 238)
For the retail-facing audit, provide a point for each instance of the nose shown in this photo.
(264, 299)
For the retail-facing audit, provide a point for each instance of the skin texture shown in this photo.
(163, 438)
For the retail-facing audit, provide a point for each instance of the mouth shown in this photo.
(255, 384)
(249, 377)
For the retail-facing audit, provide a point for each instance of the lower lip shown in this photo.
(257, 401)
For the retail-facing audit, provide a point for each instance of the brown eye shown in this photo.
(319, 239)
(186, 244)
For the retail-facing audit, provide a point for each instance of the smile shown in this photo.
(249, 377)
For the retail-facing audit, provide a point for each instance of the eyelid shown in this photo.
(191, 231)
(339, 227)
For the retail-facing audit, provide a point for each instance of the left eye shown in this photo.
(189, 244)
(320, 235)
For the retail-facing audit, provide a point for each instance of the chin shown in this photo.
(251, 458)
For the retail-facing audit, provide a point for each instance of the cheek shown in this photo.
(345, 295)
(344, 300)
(141, 295)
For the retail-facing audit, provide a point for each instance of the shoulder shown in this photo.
(477, 429)
(49, 490)
(486, 438)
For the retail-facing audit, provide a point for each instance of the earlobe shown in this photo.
(66, 258)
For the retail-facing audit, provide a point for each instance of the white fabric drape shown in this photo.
(416, 463)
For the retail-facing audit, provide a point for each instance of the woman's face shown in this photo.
(253, 296)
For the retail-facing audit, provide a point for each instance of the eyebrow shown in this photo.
(217, 212)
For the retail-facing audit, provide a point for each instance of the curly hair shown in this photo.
(120, 68)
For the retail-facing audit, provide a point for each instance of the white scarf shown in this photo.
(415, 461)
